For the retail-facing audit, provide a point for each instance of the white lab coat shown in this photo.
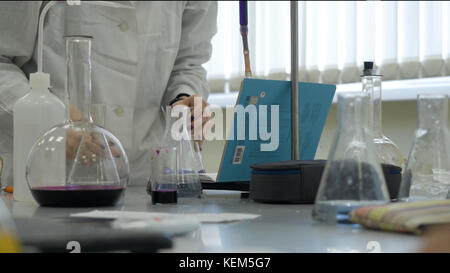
(141, 59)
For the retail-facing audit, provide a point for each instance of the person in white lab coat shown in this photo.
(143, 57)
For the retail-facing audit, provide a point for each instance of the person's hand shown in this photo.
(91, 150)
(198, 119)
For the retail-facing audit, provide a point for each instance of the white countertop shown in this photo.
(281, 228)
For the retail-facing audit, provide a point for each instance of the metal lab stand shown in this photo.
(295, 154)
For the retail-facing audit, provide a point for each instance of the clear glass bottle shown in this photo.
(353, 176)
(387, 151)
(95, 166)
(427, 173)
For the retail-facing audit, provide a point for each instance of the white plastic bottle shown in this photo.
(34, 114)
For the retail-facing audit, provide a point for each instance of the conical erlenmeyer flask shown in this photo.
(178, 135)
(352, 175)
(386, 150)
(427, 173)
(95, 167)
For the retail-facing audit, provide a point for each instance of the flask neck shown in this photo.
(353, 117)
(432, 112)
(78, 80)
(372, 86)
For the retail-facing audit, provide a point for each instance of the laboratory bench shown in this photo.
(280, 227)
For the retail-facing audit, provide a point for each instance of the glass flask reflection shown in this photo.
(427, 173)
(89, 166)
(352, 175)
(386, 150)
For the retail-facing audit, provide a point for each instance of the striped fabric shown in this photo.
(411, 217)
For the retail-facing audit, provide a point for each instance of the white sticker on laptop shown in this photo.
(238, 154)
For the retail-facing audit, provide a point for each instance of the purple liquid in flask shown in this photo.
(77, 195)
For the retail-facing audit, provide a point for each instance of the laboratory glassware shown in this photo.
(93, 167)
(9, 241)
(352, 177)
(427, 173)
(179, 132)
(163, 181)
(386, 150)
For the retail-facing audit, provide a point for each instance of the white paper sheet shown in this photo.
(138, 215)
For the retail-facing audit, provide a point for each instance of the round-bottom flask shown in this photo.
(89, 165)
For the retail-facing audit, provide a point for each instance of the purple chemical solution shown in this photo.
(164, 196)
(77, 195)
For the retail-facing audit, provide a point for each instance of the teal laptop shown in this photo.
(241, 152)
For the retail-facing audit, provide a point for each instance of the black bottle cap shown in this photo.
(368, 69)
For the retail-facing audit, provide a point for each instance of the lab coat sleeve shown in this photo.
(198, 27)
(18, 30)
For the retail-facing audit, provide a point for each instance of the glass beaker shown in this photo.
(92, 167)
(189, 165)
(164, 180)
(352, 177)
(386, 150)
(427, 173)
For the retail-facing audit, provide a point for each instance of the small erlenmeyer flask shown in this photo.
(386, 150)
(178, 135)
(164, 181)
(352, 175)
(427, 173)
(188, 160)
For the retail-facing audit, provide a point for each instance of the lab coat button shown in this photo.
(118, 111)
(123, 26)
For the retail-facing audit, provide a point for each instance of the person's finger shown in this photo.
(204, 116)
(91, 153)
(94, 148)
(200, 145)
(115, 153)
(94, 138)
